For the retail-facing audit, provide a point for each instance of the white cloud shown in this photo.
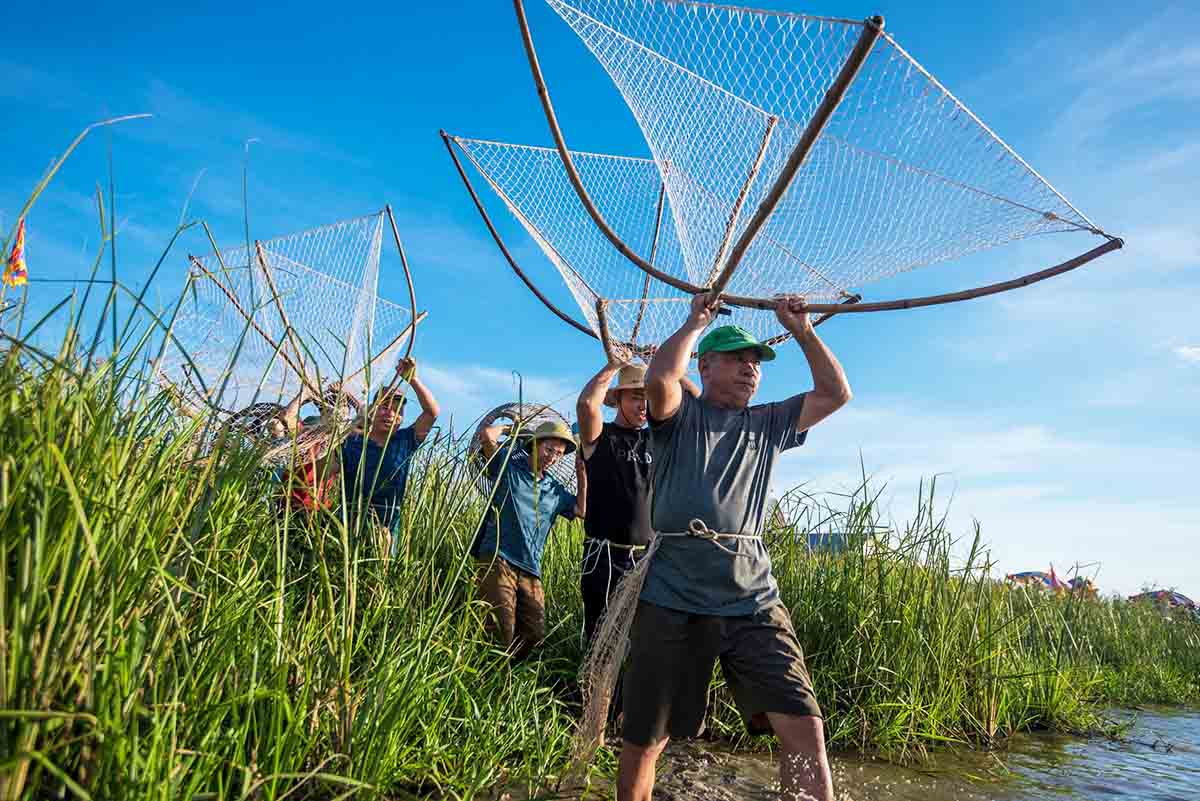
(1039, 494)
(1189, 353)
(468, 391)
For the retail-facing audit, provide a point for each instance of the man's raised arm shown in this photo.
(668, 368)
(588, 409)
(290, 416)
(831, 390)
(489, 438)
(429, 405)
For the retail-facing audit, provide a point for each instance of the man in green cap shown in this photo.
(709, 593)
(512, 537)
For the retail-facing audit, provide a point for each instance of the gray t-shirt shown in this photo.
(715, 465)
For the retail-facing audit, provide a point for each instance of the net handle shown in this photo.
(449, 141)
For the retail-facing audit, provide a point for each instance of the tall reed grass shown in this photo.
(168, 634)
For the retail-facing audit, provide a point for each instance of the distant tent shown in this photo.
(1168, 598)
(1036, 578)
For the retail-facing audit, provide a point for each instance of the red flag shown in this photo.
(14, 273)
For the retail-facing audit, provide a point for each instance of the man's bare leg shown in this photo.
(803, 766)
(635, 770)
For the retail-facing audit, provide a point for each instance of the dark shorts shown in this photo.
(672, 655)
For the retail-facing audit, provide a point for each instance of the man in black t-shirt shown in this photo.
(618, 462)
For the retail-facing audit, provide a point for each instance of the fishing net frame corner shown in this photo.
(872, 31)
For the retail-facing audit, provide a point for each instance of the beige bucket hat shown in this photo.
(553, 429)
(631, 376)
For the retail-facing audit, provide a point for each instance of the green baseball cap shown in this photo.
(733, 337)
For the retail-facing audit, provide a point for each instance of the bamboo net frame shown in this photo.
(749, 106)
(588, 16)
(328, 313)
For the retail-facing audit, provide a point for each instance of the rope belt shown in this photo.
(699, 529)
(593, 547)
(612, 544)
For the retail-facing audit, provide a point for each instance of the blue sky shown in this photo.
(1062, 417)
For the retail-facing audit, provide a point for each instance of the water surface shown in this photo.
(1159, 760)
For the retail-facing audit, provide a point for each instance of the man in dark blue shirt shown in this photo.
(513, 535)
(375, 466)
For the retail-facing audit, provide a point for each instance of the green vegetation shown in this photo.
(167, 635)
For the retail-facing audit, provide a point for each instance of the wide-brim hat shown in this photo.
(631, 376)
(553, 429)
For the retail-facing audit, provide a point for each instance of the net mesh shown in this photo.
(903, 176)
(533, 185)
(323, 284)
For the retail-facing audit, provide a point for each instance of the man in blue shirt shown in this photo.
(512, 537)
(375, 466)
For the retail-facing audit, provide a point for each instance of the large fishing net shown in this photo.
(297, 312)
(302, 307)
(901, 174)
(788, 153)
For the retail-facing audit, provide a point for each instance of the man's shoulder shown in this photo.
(667, 426)
(406, 437)
(788, 405)
(518, 458)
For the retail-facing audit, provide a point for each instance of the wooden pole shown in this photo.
(412, 296)
(250, 319)
(872, 29)
(512, 262)
(287, 324)
(781, 338)
(602, 324)
(1115, 243)
(736, 212)
(412, 293)
(658, 213)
